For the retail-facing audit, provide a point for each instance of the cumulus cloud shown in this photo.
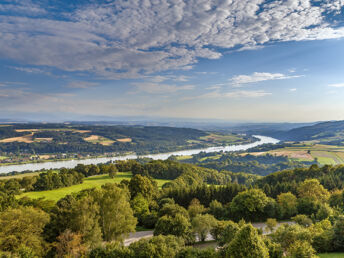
(126, 39)
(337, 85)
(259, 77)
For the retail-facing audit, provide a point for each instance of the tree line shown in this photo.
(55, 179)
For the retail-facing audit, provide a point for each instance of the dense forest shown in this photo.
(327, 132)
(197, 204)
(253, 164)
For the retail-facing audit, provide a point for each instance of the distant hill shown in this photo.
(41, 138)
(266, 128)
(329, 132)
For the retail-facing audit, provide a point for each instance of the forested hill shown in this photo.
(325, 131)
(97, 139)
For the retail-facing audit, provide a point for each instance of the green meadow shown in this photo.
(90, 182)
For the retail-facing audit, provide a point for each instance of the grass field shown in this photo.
(331, 255)
(184, 157)
(2, 157)
(99, 139)
(20, 175)
(90, 182)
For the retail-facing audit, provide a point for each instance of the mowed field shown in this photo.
(30, 139)
(326, 154)
(90, 182)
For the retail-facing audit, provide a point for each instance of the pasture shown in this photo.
(99, 139)
(325, 154)
(124, 140)
(90, 182)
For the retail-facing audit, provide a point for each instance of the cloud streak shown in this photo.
(260, 77)
(237, 94)
(337, 85)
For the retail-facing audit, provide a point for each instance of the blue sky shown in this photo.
(236, 60)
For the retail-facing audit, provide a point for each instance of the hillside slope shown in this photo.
(329, 132)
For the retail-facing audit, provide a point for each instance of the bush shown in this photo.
(228, 233)
(275, 249)
(301, 249)
(302, 220)
(246, 243)
(158, 247)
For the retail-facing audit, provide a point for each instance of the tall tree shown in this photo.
(247, 243)
(338, 229)
(311, 188)
(287, 204)
(143, 185)
(202, 225)
(23, 227)
(250, 205)
(116, 216)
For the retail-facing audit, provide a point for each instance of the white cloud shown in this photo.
(231, 94)
(126, 39)
(259, 77)
(247, 94)
(337, 85)
(293, 89)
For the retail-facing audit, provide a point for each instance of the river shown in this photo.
(163, 156)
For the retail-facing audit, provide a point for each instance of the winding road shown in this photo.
(133, 237)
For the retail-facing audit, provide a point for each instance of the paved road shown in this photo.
(133, 237)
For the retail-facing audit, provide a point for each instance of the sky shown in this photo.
(232, 60)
